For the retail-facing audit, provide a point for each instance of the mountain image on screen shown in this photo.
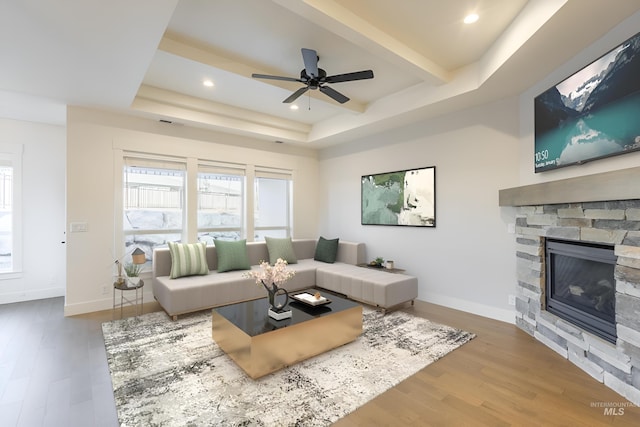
(591, 114)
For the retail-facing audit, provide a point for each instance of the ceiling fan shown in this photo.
(316, 78)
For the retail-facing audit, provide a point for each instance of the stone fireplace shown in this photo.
(597, 221)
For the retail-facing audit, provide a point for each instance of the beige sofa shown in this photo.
(195, 293)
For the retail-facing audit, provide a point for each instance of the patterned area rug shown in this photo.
(167, 373)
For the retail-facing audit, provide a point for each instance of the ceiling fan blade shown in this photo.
(332, 93)
(358, 75)
(295, 95)
(310, 58)
(266, 76)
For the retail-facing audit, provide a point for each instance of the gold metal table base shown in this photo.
(270, 351)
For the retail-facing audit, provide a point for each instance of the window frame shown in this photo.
(279, 174)
(11, 155)
(223, 169)
(192, 167)
(133, 160)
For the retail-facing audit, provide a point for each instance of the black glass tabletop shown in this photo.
(252, 318)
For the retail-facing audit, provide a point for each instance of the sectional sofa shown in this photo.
(198, 292)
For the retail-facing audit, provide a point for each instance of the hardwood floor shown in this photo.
(53, 372)
(503, 377)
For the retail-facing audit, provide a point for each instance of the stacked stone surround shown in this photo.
(616, 223)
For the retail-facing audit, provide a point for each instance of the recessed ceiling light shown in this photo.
(208, 83)
(471, 18)
(293, 107)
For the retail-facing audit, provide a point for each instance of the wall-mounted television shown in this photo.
(592, 114)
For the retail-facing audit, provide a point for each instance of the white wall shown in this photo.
(466, 261)
(43, 207)
(94, 140)
(613, 38)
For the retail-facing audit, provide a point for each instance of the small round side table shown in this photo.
(125, 287)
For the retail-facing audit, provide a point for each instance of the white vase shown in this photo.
(134, 281)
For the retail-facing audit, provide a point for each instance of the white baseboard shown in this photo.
(102, 304)
(88, 306)
(508, 316)
(31, 295)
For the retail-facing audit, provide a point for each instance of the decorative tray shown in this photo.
(309, 299)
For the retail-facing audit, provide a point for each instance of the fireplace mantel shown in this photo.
(615, 185)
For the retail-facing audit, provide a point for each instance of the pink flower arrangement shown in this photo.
(271, 274)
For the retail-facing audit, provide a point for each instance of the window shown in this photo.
(10, 208)
(272, 207)
(189, 199)
(220, 204)
(153, 203)
(6, 218)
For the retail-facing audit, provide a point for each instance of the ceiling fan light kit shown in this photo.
(316, 78)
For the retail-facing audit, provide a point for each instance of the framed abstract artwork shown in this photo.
(406, 197)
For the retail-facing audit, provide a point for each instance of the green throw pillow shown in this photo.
(188, 259)
(232, 255)
(280, 248)
(326, 250)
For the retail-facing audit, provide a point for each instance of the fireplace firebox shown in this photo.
(580, 285)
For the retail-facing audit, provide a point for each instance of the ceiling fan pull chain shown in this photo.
(309, 101)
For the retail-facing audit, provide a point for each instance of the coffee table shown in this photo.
(261, 345)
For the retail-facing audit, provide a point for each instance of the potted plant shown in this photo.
(133, 272)
(377, 262)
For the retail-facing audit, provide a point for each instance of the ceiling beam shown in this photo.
(341, 21)
(164, 102)
(174, 45)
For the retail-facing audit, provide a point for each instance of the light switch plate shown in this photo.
(78, 227)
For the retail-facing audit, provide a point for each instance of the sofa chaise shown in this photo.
(213, 289)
